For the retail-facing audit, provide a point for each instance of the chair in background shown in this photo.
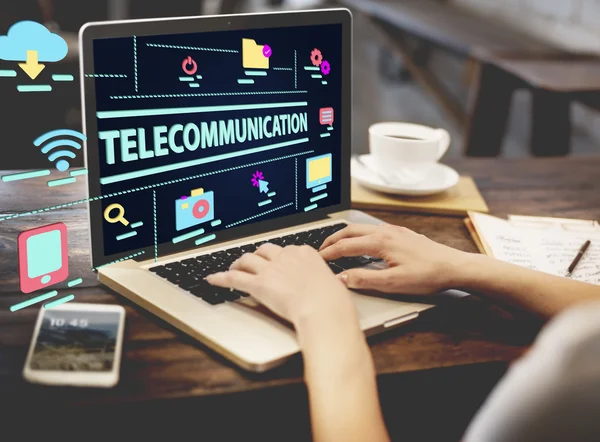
(554, 82)
(501, 59)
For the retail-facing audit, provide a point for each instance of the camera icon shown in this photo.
(198, 208)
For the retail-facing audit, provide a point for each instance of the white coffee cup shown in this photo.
(406, 152)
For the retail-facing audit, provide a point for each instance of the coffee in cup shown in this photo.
(406, 152)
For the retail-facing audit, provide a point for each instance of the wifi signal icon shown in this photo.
(59, 156)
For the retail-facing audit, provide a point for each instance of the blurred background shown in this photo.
(505, 77)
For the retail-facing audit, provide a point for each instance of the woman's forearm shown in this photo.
(538, 292)
(341, 382)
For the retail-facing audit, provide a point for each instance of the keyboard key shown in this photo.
(189, 284)
(222, 293)
(289, 240)
(163, 273)
(277, 241)
(208, 293)
(213, 299)
(198, 290)
(330, 230)
(335, 268)
(235, 252)
(298, 241)
(351, 262)
(173, 265)
(230, 295)
(175, 278)
(315, 243)
(241, 294)
(363, 260)
(201, 286)
(303, 236)
(189, 280)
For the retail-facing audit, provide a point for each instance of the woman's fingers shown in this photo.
(363, 245)
(234, 279)
(269, 251)
(352, 231)
(250, 263)
(385, 281)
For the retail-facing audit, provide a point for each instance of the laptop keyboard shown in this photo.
(189, 273)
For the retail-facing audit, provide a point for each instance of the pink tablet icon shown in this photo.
(43, 257)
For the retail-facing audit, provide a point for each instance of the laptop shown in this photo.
(207, 137)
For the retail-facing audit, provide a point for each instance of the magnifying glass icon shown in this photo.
(120, 214)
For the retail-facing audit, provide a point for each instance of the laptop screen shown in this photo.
(198, 133)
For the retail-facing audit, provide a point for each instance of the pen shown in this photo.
(580, 254)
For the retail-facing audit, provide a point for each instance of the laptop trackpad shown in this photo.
(371, 310)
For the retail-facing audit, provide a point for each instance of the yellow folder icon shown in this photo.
(252, 55)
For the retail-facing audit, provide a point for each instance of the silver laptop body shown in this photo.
(136, 77)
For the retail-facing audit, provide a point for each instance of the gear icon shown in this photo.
(325, 67)
(316, 57)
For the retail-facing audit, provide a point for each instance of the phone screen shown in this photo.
(71, 340)
(44, 253)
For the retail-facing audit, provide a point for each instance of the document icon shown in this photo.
(252, 55)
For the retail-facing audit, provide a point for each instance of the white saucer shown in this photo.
(439, 179)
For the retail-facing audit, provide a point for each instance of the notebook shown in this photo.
(457, 201)
(539, 243)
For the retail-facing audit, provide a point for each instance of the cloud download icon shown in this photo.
(31, 43)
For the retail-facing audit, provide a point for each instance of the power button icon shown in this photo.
(189, 66)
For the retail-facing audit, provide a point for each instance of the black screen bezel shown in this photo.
(93, 31)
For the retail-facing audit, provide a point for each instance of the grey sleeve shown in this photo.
(553, 393)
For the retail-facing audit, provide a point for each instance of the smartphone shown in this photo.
(76, 344)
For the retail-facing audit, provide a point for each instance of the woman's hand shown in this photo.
(298, 285)
(294, 282)
(417, 265)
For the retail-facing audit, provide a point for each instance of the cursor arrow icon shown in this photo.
(31, 66)
(263, 186)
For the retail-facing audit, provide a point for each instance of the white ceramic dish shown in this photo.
(438, 179)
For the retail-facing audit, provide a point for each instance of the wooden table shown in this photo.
(440, 367)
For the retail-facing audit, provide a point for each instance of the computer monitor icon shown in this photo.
(318, 170)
